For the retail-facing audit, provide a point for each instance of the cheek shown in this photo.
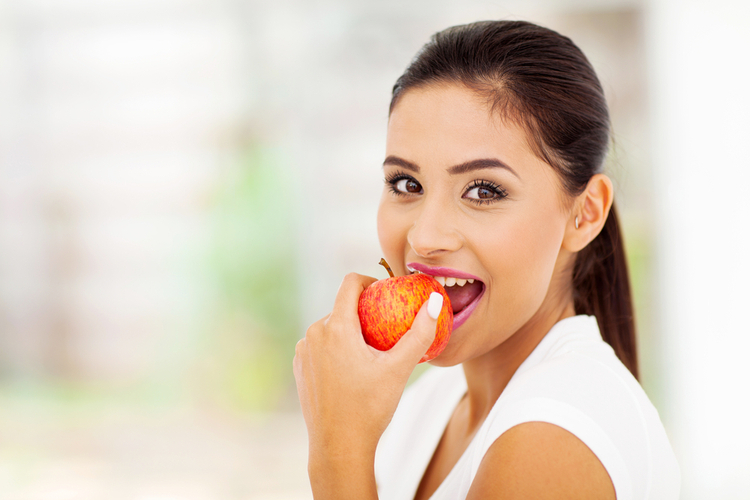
(392, 236)
(523, 264)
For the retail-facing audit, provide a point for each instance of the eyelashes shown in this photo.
(402, 184)
(484, 192)
(479, 191)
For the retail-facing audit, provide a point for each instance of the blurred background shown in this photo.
(184, 183)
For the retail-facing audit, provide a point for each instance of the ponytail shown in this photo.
(601, 288)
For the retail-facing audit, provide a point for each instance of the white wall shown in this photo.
(700, 107)
(111, 118)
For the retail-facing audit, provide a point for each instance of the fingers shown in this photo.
(414, 344)
(435, 305)
(347, 298)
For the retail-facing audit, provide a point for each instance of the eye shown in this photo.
(408, 186)
(481, 191)
(403, 185)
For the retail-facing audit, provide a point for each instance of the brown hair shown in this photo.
(542, 80)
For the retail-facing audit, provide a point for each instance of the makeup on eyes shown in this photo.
(483, 186)
(403, 184)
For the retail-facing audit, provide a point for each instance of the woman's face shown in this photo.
(465, 197)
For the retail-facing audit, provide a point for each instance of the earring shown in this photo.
(576, 222)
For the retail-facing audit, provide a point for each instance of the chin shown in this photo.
(451, 356)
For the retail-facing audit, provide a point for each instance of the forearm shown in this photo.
(342, 476)
(349, 392)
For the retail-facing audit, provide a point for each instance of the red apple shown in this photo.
(387, 309)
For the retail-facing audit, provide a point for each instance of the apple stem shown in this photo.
(387, 267)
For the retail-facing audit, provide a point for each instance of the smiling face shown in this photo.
(465, 197)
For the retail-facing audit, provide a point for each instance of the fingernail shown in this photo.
(435, 305)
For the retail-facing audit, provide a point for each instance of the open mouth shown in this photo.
(464, 290)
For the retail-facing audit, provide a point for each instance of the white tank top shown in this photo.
(572, 379)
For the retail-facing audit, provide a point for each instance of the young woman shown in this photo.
(496, 139)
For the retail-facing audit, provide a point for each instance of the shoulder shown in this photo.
(582, 396)
(540, 460)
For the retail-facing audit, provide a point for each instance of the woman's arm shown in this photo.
(541, 461)
(349, 391)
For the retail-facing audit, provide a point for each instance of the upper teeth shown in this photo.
(448, 280)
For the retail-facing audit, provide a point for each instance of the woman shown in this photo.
(496, 139)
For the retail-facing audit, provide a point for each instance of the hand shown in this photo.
(348, 390)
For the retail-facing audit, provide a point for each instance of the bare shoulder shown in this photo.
(540, 460)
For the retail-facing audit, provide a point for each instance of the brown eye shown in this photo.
(484, 193)
(481, 192)
(408, 186)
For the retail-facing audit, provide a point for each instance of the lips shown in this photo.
(465, 290)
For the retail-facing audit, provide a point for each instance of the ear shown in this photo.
(592, 208)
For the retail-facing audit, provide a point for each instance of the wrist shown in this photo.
(343, 474)
(340, 457)
(342, 442)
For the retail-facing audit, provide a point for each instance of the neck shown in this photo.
(489, 374)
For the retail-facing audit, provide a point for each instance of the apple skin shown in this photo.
(387, 309)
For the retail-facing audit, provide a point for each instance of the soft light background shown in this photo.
(184, 183)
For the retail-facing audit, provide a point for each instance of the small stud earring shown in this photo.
(576, 222)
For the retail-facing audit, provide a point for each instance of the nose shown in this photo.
(434, 231)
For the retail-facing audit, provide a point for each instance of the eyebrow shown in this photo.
(400, 162)
(468, 166)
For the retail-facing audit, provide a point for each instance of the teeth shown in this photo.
(447, 281)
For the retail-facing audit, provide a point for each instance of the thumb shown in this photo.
(414, 344)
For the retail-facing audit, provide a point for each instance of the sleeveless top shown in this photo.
(572, 379)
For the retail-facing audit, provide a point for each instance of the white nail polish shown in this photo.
(435, 305)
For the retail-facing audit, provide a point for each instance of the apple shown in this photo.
(387, 309)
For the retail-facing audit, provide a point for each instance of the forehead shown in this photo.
(450, 124)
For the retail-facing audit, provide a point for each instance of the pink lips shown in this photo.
(460, 318)
(441, 271)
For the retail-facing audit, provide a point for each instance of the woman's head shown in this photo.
(526, 97)
(532, 76)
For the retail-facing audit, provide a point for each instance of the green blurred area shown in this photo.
(253, 258)
(639, 253)
(234, 350)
